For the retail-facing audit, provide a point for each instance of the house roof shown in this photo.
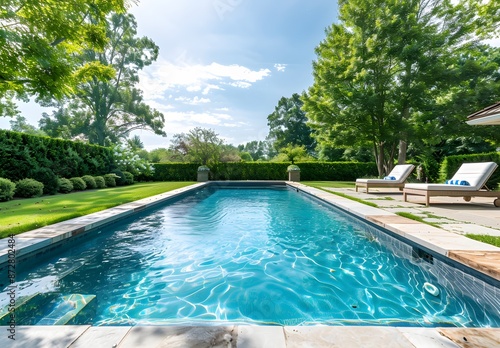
(487, 116)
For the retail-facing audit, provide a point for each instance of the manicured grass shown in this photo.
(332, 184)
(493, 240)
(21, 215)
(416, 218)
(322, 185)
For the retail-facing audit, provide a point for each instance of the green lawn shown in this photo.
(21, 215)
(332, 184)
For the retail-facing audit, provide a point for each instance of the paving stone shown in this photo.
(42, 336)
(477, 338)
(345, 337)
(180, 337)
(426, 338)
(261, 337)
(101, 336)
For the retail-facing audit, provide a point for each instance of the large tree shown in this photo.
(383, 64)
(287, 125)
(108, 106)
(38, 41)
(199, 145)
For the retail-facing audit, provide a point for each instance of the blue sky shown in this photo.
(223, 64)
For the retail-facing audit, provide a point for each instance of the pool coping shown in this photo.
(448, 244)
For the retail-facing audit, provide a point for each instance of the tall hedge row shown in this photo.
(450, 165)
(22, 154)
(337, 171)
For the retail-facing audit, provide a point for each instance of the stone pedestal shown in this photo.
(294, 175)
(203, 175)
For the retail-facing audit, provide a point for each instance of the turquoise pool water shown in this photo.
(250, 255)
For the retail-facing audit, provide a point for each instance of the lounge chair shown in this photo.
(396, 178)
(467, 182)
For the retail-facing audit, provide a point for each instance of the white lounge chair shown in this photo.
(475, 174)
(396, 178)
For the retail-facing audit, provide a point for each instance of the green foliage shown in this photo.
(27, 188)
(450, 165)
(128, 178)
(107, 105)
(294, 152)
(287, 125)
(89, 181)
(78, 183)
(175, 171)
(65, 185)
(20, 153)
(47, 177)
(245, 156)
(125, 159)
(7, 189)
(38, 42)
(99, 181)
(110, 179)
(386, 73)
(342, 171)
(120, 177)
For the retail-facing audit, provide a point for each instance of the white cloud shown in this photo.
(192, 119)
(166, 76)
(280, 67)
(192, 101)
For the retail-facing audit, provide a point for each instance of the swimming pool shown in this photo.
(247, 255)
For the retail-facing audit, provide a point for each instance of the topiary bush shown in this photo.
(28, 188)
(7, 189)
(128, 178)
(120, 179)
(89, 181)
(65, 185)
(49, 180)
(99, 181)
(78, 183)
(110, 179)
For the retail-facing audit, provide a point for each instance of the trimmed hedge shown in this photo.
(450, 165)
(21, 153)
(28, 188)
(110, 179)
(324, 171)
(128, 178)
(65, 185)
(99, 181)
(89, 181)
(49, 180)
(78, 184)
(7, 188)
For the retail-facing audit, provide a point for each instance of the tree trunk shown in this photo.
(380, 159)
(402, 151)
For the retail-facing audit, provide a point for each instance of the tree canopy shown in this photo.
(38, 43)
(387, 63)
(107, 106)
(287, 125)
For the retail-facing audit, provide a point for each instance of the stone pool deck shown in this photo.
(454, 218)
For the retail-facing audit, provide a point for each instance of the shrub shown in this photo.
(78, 183)
(49, 180)
(110, 179)
(7, 188)
(28, 188)
(65, 186)
(99, 182)
(129, 178)
(89, 181)
(120, 178)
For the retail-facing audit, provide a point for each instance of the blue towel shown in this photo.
(390, 178)
(458, 182)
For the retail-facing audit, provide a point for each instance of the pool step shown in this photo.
(29, 309)
(67, 310)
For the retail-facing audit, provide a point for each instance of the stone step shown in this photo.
(67, 309)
